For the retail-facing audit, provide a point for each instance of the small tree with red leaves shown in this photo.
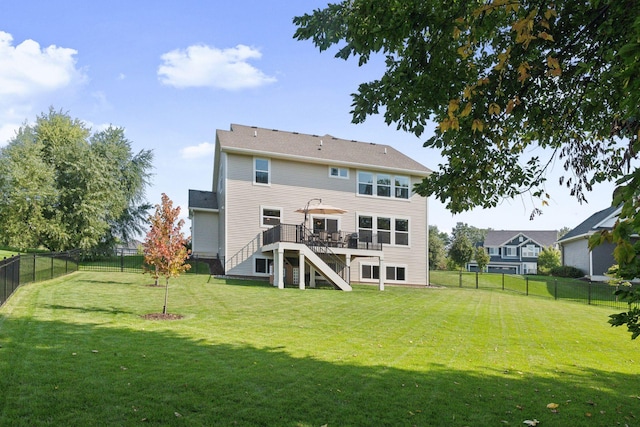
(164, 246)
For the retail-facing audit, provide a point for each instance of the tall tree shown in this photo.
(165, 250)
(461, 250)
(63, 188)
(437, 253)
(501, 78)
(482, 258)
(475, 235)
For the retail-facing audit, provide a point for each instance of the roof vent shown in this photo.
(385, 150)
(320, 143)
(255, 133)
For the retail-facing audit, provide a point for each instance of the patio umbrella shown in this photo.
(319, 208)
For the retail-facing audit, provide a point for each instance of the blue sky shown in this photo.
(172, 72)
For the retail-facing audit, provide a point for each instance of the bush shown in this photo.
(566, 271)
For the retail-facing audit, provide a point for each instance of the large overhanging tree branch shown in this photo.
(513, 87)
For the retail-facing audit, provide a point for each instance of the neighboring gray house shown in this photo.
(253, 219)
(575, 245)
(515, 252)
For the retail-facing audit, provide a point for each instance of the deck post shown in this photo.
(382, 273)
(301, 270)
(279, 267)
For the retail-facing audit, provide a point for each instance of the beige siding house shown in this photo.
(254, 221)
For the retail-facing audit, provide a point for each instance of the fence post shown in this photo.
(34, 266)
(503, 281)
(555, 288)
(121, 260)
(526, 281)
(460, 278)
(589, 293)
(51, 267)
(476, 280)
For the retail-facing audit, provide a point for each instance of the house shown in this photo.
(265, 214)
(515, 252)
(574, 245)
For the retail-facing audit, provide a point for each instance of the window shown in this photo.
(530, 251)
(391, 231)
(365, 183)
(270, 216)
(371, 272)
(396, 273)
(383, 185)
(261, 171)
(384, 230)
(402, 187)
(325, 224)
(511, 251)
(365, 228)
(402, 232)
(336, 172)
(529, 268)
(262, 265)
(493, 251)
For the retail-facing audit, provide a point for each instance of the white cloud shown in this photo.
(27, 69)
(197, 151)
(205, 66)
(7, 132)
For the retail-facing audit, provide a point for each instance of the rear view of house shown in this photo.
(266, 213)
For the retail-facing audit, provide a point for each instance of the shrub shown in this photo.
(566, 271)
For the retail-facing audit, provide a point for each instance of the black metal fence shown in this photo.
(33, 267)
(584, 291)
(131, 260)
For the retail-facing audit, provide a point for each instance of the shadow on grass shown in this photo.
(91, 375)
(111, 310)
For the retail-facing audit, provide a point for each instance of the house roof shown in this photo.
(314, 148)
(500, 237)
(203, 200)
(591, 224)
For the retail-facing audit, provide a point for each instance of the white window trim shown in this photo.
(493, 251)
(261, 215)
(506, 251)
(535, 252)
(268, 183)
(339, 169)
(393, 218)
(374, 189)
(387, 279)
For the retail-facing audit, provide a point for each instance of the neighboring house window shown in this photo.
(270, 216)
(261, 169)
(511, 251)
(391, 231)
(262, 265)
(520, 239)
(493, 251)
(530, 251)
(530, 268)
(383, 185)
(338, 172)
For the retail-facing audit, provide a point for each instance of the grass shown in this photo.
(4, 253)
(75, 351)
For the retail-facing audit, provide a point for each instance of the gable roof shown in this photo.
(592, 224)
(500, 237)
(203, 200)
(325, 149)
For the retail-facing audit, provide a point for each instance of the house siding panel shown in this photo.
(602, 258)
(205, 233)
(576, 254)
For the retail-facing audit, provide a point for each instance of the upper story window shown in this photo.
(383, 185)
(530, 251)
(261, 171)
(336, 172)
(391, 231)
(511, 251)
(493, 251)
(270, 216)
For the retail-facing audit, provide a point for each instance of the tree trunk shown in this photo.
(166, 296)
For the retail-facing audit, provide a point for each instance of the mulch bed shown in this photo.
(162, 316)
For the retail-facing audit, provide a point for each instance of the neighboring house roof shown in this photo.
(500, 237)
(313, 148)
(597, 221)
(203, 200)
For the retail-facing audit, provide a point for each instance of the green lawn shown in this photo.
(75, 351)
(4, 253)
